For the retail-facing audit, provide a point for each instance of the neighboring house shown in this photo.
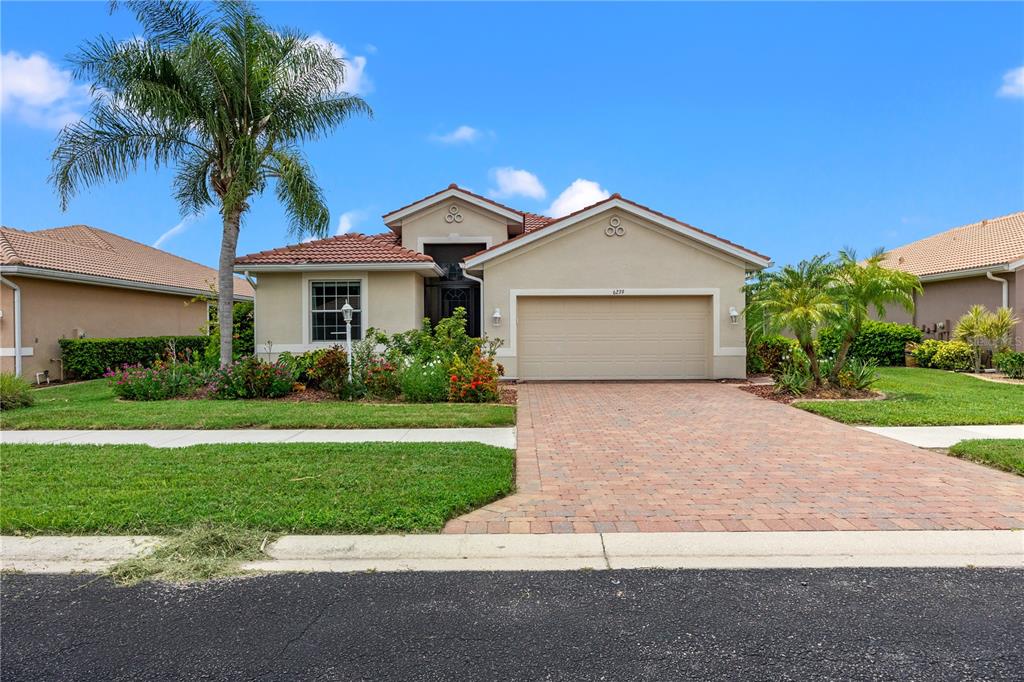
(69, 282)
(980, 263)
(613, 291)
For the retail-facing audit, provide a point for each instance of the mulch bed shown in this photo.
(770, 393)
(508, 392)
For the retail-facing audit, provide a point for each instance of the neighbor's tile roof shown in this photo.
(346, 248)
(534, 221)
(991, 242)
(85, 250)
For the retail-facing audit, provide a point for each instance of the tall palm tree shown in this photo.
(226, 100)
(799, 298)
(863, 286)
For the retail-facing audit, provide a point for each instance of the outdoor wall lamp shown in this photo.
(734, 315)
(496, 317)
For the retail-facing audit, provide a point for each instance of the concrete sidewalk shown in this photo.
(345, 553)
(501, 437)
(945, 436)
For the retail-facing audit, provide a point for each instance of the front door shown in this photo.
(442, 295)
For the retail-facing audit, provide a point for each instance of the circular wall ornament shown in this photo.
(614, 221)
(453, 215)
(609, 231)
(615, 227)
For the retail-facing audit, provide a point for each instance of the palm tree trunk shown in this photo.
(815, 368)
(226, 285)
(844, 349)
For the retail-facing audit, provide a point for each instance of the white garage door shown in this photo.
(614, 337)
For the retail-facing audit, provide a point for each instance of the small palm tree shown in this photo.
(863, 286)
(999, 330)
(979, 325)
(216, 93)
(800, 299)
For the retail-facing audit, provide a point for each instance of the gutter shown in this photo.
(483, 316)
(98, 280)
(1006, 287)
(17, 324)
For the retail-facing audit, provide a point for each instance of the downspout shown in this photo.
(1006, 288)
(17, 324)
(483, 310)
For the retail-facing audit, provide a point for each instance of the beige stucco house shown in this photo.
(69, 282)
(980, 263)
(613, 291)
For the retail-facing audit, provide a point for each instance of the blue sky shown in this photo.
(792, 129)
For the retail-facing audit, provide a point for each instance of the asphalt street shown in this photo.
(612, 625)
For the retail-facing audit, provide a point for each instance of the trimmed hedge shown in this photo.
(881, 342)
(90, 358)
(1011, 363)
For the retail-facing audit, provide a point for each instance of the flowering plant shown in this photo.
(159, 382)
(382, 380)
(252, 378)
(474, 380)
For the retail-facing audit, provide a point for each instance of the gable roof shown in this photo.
(548, 226)
(345, 249)
(89, 254)
(513, 217)
(992, 242)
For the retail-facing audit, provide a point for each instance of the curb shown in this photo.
(593, 551)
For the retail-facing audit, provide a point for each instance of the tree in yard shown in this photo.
(799, 298)
(978, 325)
(226, 100)
(862, 286)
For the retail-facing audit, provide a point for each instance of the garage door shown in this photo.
(614, 337)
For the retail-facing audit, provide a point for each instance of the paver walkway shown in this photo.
(945, 436)
(607, 457)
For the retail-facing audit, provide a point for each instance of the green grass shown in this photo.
(1007, 454)
(929, 397)
(92, 405)
(276, 488)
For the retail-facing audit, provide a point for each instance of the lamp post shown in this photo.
(346, 312)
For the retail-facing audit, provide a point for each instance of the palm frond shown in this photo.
(298, 190)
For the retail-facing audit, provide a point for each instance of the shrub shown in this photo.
(243, 335)
(1011, 363)
(252, 378)
(474, 380)
(381, 380)
(771, 354)
(301, 364)
(425, 381)
(859, 374)
(925, 352)
(91, 358)
(330, 370)
(162, 381)
(883, 343)
(954, 355)
(793, 378)
(15, 392)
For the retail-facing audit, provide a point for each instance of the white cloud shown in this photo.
(174, 231)
(514, 182)
(580, 194)
(39, 93)
(461, 135)
(357, 82)
(1013, 83)
(348, 220)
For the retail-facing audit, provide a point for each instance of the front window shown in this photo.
(327, 323)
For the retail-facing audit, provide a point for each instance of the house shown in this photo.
(613, 291)
(980, 263)
(69, 282)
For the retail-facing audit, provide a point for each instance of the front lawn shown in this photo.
(1006, 454)
(929, 397)
(284, 488)
(92, 405)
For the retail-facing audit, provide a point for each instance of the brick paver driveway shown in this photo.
(704, 456)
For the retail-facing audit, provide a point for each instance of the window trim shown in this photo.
(306, 304)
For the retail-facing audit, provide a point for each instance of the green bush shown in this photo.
(243, 341)
(954, 355)
(15, 392)
(793, 378)
(301, 364)
(925, 352)
(771, 354)
(330, 371)
(162, 381)
(91, 358)
(880, 342)
(251, 378)
(382, 380)
(859, 374)
(425, 381)
(1011, 363)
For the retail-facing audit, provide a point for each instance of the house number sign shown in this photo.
(618, 292)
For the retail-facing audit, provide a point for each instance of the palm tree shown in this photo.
(226, 100)
(978, 324)
(799, 299)
(863, 286)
